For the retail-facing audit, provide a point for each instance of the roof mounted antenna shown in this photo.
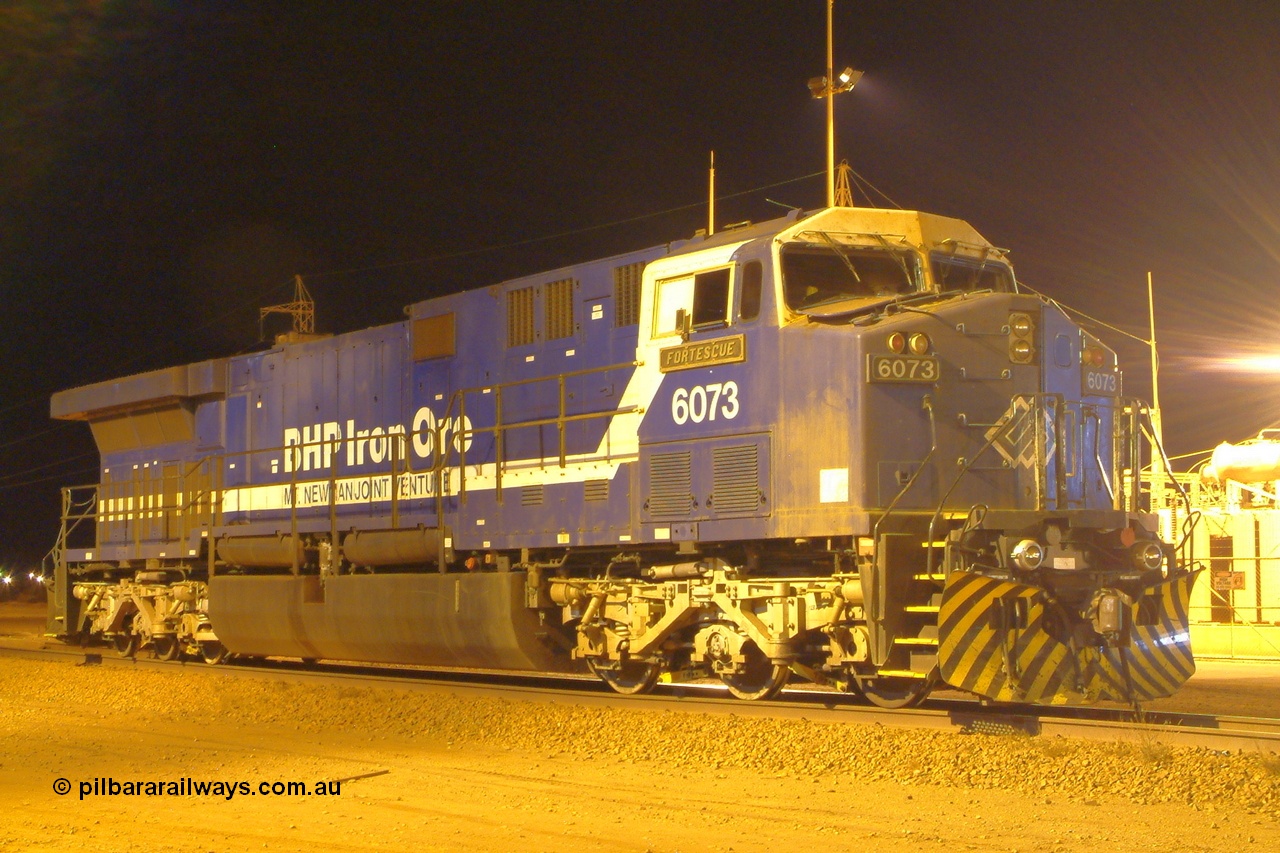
(711, 197)
(302, 309)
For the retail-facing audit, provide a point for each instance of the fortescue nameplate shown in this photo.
(729, 350)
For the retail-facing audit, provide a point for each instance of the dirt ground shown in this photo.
(424, 771)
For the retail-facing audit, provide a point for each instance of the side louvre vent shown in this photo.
(596, 490)
(559, 308)
(531, 496)
(520, 329)
(735, 479)
(626, 294)
(670, 485)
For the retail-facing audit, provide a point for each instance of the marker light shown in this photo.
(1022, 331)
(1093, 356)
(918, 343)
(897, 343)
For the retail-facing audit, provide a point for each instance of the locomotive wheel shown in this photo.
(213, 652)
(895, 693)
(167, 648)
(126, 644)
(628, 677)
(760, 677)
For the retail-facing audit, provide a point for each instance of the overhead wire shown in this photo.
(45, 467)
(58, 425)
(863, 182)
(570, 233)
(88, 472)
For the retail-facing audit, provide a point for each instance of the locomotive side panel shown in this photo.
(708, 333)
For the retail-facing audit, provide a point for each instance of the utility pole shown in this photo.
(1157, 430)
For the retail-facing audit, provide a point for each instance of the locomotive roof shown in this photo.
(924, 230)
(155, 388)
(173, 385)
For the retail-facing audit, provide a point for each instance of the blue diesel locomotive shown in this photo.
(840, 445)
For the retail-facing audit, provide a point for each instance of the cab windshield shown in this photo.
(952, 273)
(827, 276)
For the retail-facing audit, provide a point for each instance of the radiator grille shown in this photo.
(736, 478)
(670, 485)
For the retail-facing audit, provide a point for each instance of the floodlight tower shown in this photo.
(828, 87)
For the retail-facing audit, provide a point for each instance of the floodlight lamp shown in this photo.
(818, 86)
(847, 79)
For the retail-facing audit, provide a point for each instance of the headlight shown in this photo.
(1027, 554)
(1147, 556)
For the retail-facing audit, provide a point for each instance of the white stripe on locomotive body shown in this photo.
(647, 378)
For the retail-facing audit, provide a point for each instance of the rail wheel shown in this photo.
(167, 648)
(213, 652)
(897, 692)
(759, 678)
(125, 643)
(628, 677)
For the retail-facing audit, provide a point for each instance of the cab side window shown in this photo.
(699, 301)
(675, 296)
(711, 299)
(752, 284)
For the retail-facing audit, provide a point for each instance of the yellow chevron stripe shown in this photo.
(1155, 658)
(972, 601)
(1147, 682)
(1157, 672)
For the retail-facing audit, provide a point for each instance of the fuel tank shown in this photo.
(457, 620)
(1256, 461)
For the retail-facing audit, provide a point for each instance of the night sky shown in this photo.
(167, 167)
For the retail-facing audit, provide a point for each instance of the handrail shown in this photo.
(500, 429)
(200, 484)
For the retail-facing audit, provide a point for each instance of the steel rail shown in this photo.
(943, 713)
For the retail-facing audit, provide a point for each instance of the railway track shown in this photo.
(945, 712)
